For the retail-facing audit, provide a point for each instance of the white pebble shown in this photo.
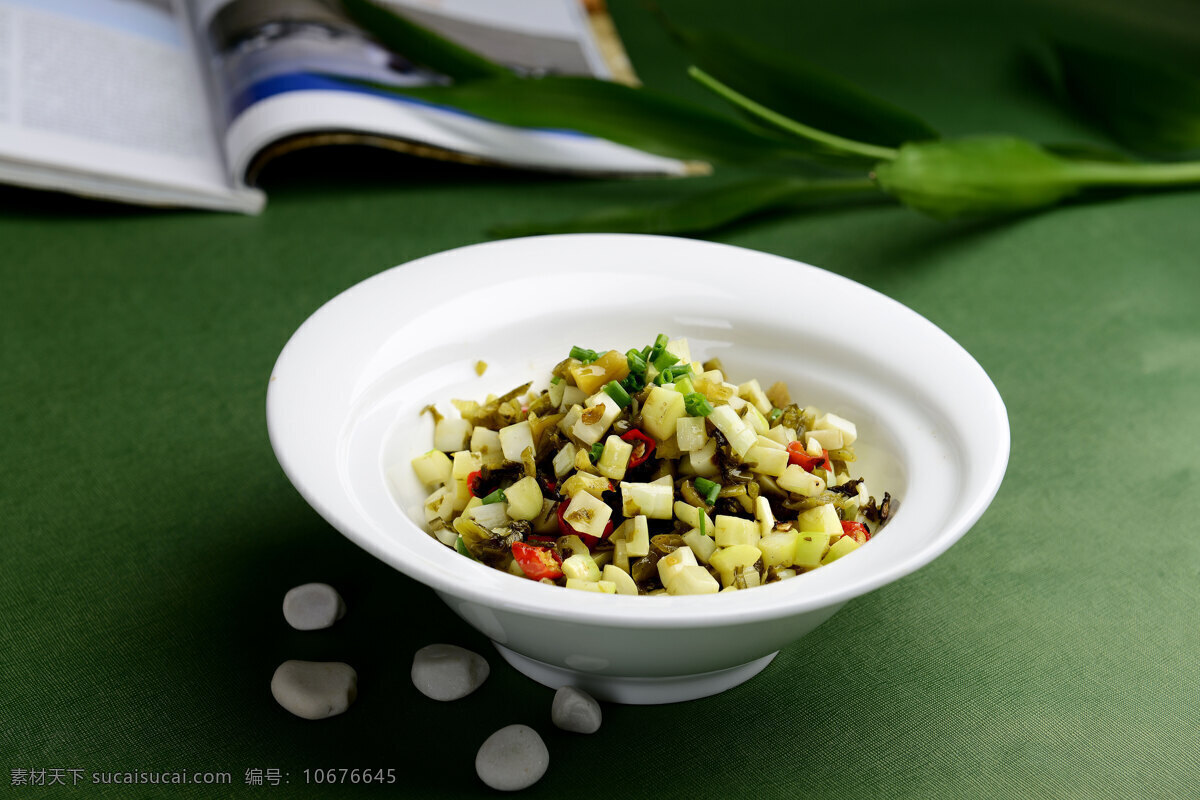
(575, 710)
(315, 689)
(448, 672)
(512, 758)
(313, 606)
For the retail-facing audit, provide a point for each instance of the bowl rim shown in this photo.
(532, 599)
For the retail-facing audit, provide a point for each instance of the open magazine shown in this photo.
(181, 102)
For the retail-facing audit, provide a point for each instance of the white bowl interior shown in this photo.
(345, 402)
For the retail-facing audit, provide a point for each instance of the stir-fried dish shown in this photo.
(646, 472)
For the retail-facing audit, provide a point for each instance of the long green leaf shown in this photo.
(796, 88)
(703, 211)
(637, 117)
(828, 144)
(1147, 107)
(421, 45)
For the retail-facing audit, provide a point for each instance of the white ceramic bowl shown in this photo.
(345, 397)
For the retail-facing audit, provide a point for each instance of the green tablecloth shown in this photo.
(149, 535)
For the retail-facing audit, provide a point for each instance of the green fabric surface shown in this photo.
(149, 535)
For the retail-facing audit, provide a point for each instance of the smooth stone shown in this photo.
(447, 671)
(313, 606)
(575, 710)
(512, 758)
(315, 689)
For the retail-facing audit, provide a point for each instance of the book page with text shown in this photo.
(105, 97)
(297, 70)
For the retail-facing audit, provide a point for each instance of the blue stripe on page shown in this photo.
(309, 81)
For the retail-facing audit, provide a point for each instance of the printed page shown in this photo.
(281, 70)
(105, 97)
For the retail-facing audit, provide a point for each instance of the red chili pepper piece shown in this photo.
(537, 562)
(858, 531)
(567, 529)
(473, 482)
(798, 455)
(643, 446)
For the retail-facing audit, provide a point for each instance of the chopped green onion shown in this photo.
(684, 385)
(557, 379)
(618, 393)
(637, 364)
(673, 374)
(633, 383)
(495, 497)
(584, 355)
(699, 526)
(461, 547)
(775, 414)
(596, 450)
(697, 405)
(660, 346)
(708, 490)
(665, 359)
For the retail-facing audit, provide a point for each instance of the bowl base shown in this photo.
(636, 691)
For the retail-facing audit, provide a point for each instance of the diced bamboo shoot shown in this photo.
(598, 414)
(833, 422)
(795, 479)
(451, 434)
(662, 409)
(694, 516)
(432, 468)
(581, 567)
(564, 460)
(728, 560)
(652, 500)
(621, 580)
(752, 392)
(841, 547)
(779, 549)
(703, 546)
(587, 514)
(637, 538)
(514, 439)
(810, 549)
(690, 433)
(735, 530)
(823, 518)
(614, 459)
(703, 462)
(487, 443)
(763, 515)
(693, 580)
(767, 460)
(524, 499)
(595, 485)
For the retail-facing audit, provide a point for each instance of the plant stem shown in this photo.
(1101, 173)
(830, 140)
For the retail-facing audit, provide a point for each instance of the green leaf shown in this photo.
(636, 117)
(1147, 107)
(705, 210)
(990, 175)
(421, 45)
(978, 176)
(795, 88)
(828, 145)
